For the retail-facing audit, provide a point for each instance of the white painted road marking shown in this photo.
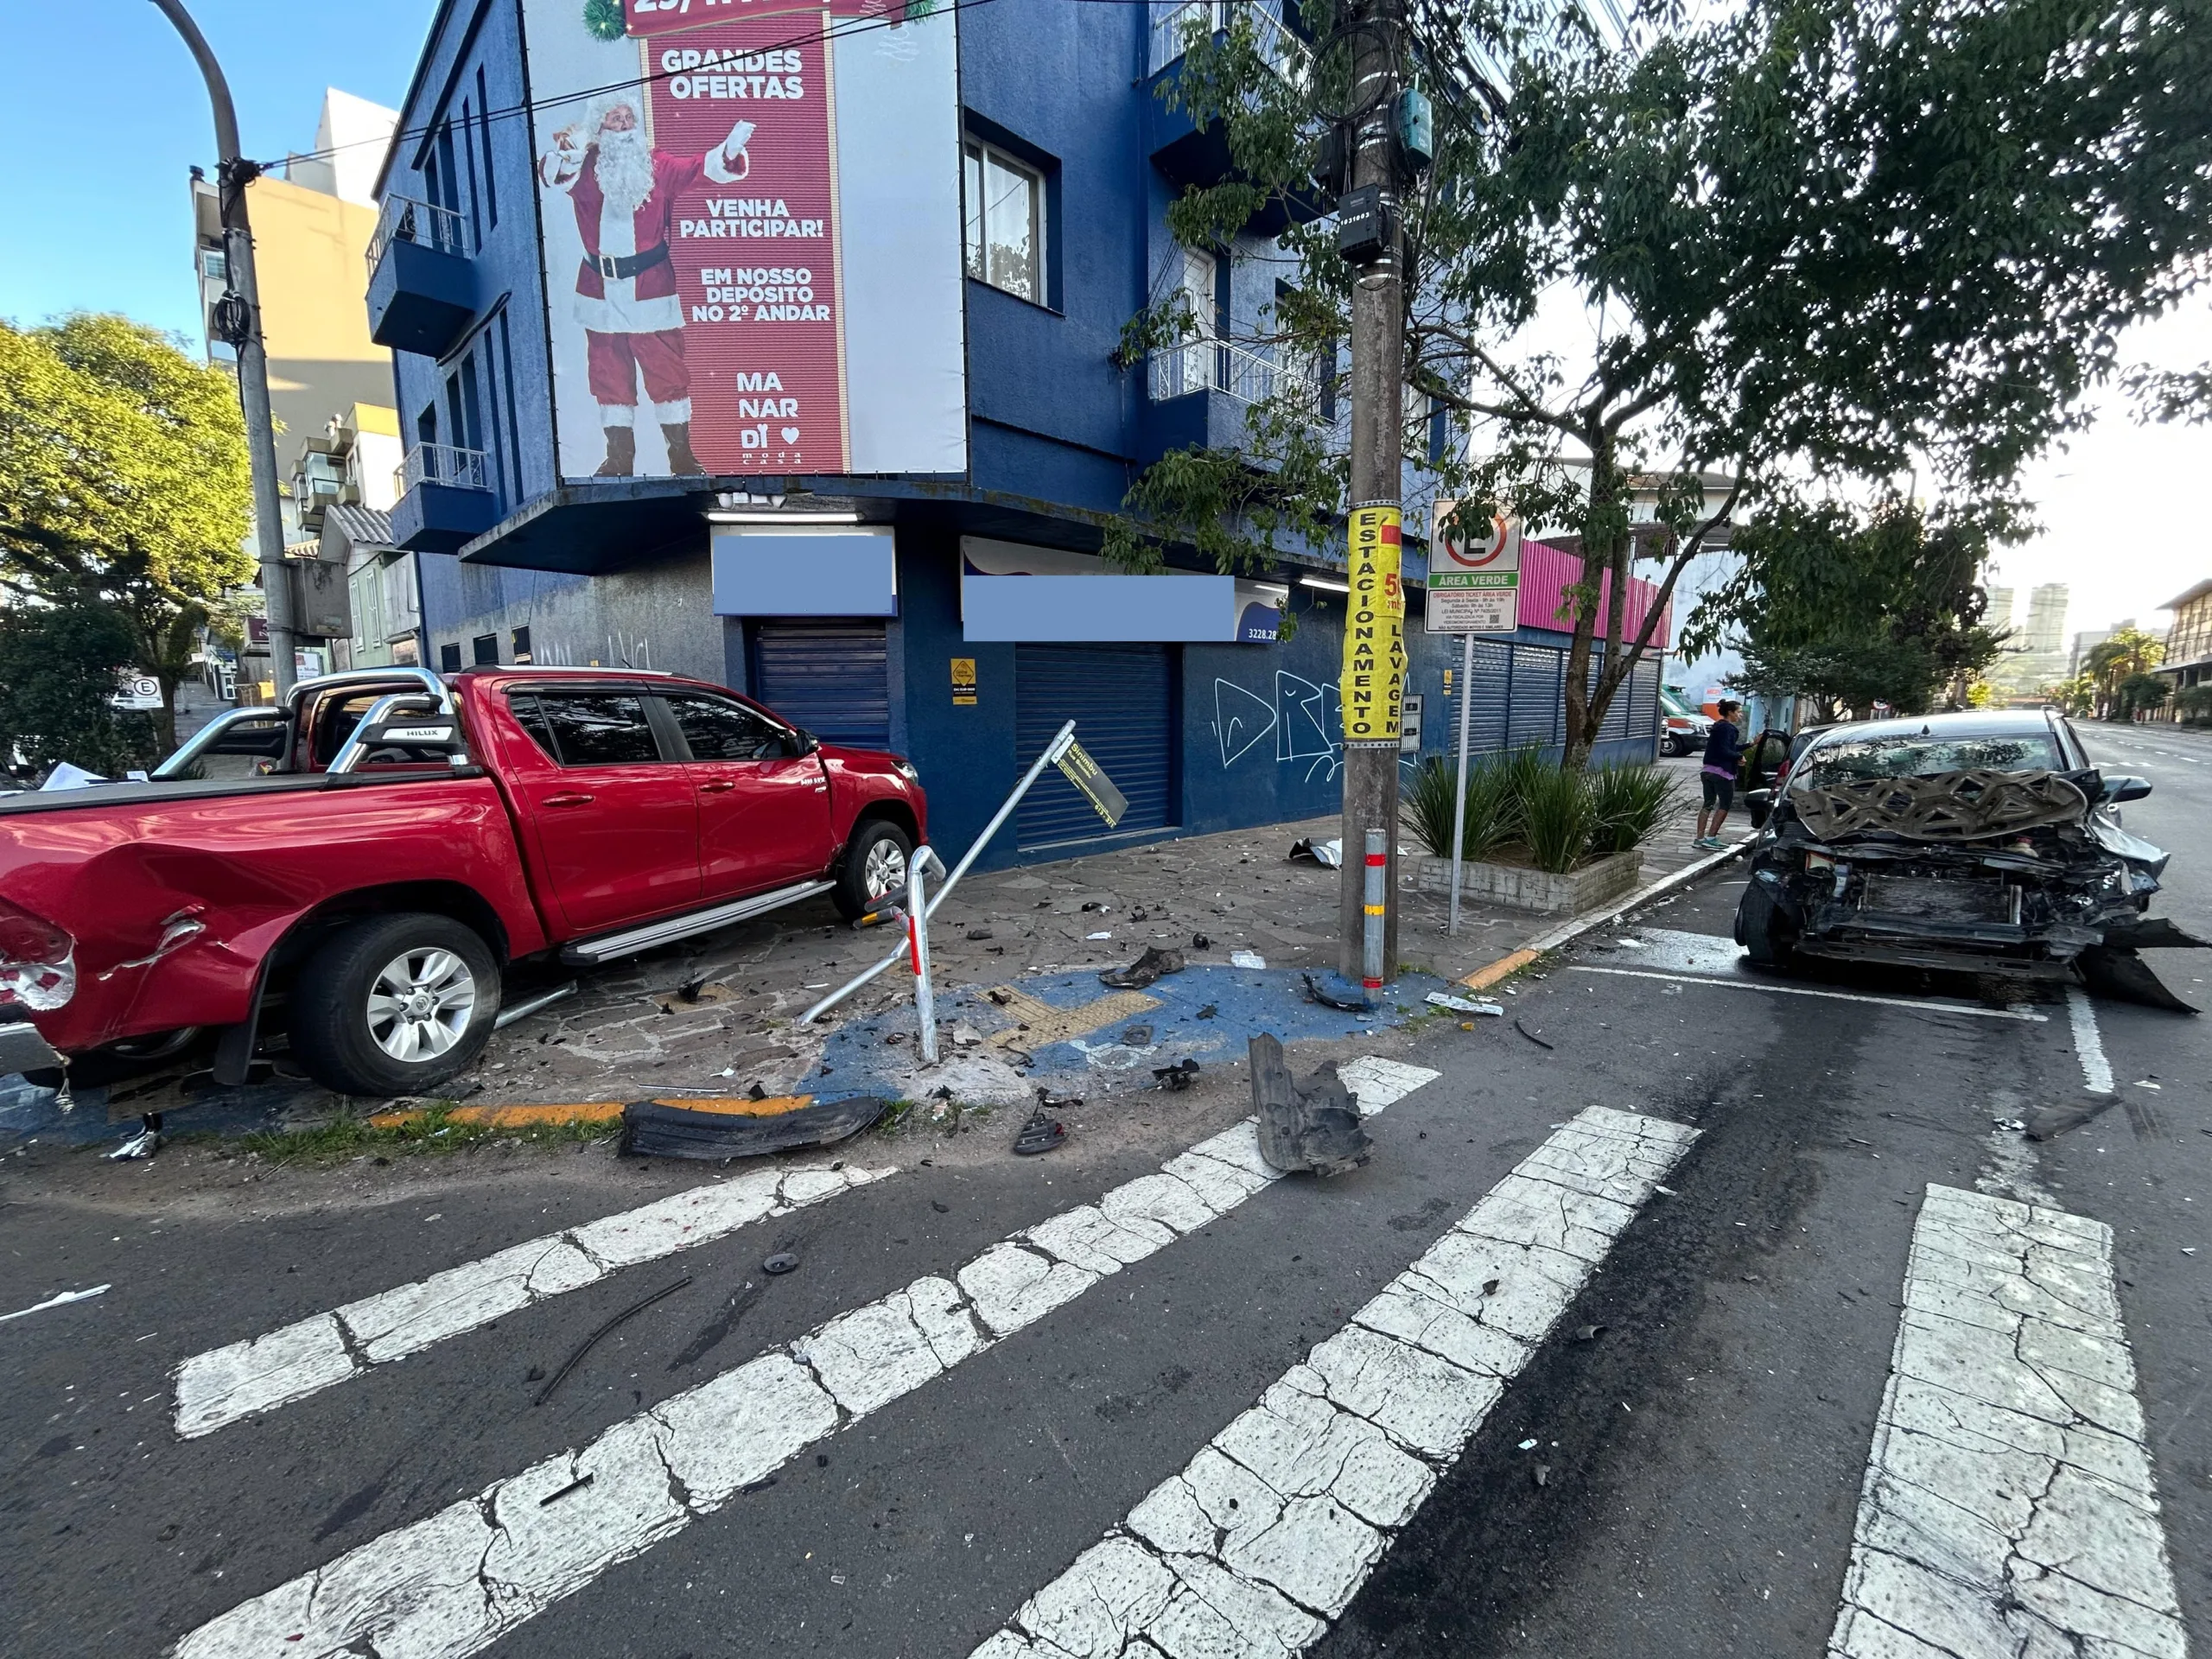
(2008, 1506)
(1923, 1005)
(2096, 1071)
(224, 1384)
(455, 1582)
(1268, 1533)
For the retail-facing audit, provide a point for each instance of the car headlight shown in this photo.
(909, 772)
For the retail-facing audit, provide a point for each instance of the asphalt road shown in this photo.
(1703, 1410)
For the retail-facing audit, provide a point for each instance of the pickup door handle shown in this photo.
(719, 786)
(568, 799)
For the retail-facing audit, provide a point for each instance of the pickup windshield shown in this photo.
(1911, 754)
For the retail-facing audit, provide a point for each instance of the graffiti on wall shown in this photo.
(1305, 721)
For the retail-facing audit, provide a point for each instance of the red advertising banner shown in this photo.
(756, 255)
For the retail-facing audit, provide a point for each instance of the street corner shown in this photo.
(1066, 1033)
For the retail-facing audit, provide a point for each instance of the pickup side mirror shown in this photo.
(802, 743)
(2126, 789)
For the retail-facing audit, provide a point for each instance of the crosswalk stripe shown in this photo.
(224, 1384)
(2008, 1505)
(454, 1583)
(1266, 1534)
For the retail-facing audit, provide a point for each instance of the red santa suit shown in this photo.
(626, 286)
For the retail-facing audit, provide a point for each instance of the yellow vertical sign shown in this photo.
(1374, 682)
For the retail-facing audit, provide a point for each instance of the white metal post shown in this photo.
(918, 943)
(1459, 791)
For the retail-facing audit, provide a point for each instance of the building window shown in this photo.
(1005, 211)
(520, 640)
(487, 647)
(449, 659)
(214, 264)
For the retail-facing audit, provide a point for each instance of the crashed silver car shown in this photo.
(1977, 842)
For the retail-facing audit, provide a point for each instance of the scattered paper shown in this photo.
(1247, 959)
(1099, 935)
(55, 1302)
(1461, 1005)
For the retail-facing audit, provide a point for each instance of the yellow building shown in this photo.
(2189, 642)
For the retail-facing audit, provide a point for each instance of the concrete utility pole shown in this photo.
(238, 320)
(1374, 677)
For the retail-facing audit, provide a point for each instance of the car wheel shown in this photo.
(876, 863)
(1763, 928)
(395, 1006)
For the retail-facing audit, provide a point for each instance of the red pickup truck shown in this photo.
(355, 868)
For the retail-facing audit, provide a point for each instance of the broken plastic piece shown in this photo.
(1462, 1005)
(1310, 1127)
(2117, 972)
(591, 1341)
(1532, 1036)
(1177, 1078)
(1341, 994)
(145, 1144)
(1152, 964)
(1200, 941)
(979, 933)
(1330, 855)
(1137, 1036)
(1247, 959)
(743, 1129)
(781, 1262)
(575, 1485)
(1209, 1011)
(1040, 1133)
(965, 1036)
(1099, 935)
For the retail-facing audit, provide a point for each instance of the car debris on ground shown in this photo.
(1311, 1128)
(1155, 963)
(715, 1129)
(1330, 855)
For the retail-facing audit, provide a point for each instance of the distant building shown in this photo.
(2087, 640)
(2045, 631)
(2188, 641)
(1999, 613)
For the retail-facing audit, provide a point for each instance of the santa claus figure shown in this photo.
(625, 193)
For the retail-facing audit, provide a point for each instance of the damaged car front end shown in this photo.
(1953, 850)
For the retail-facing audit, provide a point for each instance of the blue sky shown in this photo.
(109, 113)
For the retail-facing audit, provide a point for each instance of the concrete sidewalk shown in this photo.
(629, 1032)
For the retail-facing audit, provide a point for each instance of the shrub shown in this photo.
(1557, 815)
(1429, 799)
(1627, 800)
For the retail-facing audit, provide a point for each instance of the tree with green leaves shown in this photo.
(123, 485)
(57, 669)
(1848, 609)
(1802, 239)
(2128, 656)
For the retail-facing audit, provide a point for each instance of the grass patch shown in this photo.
(436, 1130)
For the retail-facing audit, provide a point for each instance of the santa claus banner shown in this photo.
(752, 237)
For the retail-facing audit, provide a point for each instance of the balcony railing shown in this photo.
(442, 463)
(1173, 19)
(402, 219)
(1215, 365)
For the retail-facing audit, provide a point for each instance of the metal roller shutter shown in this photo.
(1615, 723)
(1121, 699)
(1538, 678)
(1644, 712)
(1486, 719)
(832, 678)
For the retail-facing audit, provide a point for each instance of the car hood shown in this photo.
(1968, 809)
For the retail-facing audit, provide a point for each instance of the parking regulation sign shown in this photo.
(1474, 587)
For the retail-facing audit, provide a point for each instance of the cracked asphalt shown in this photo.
(1703, 1411)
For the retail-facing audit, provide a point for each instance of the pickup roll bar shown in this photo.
(429, 682)
(435, 691)
(199, 743)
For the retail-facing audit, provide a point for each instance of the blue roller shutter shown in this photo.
(1121, 698)
(830, 678)
(1538, 678)
(1486, 719)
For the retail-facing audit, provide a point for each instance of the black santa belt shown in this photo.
(622, 267)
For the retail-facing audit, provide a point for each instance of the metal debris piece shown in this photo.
(1462, 1005)
(1532, 1036)
(1177, 1078)
(1312, 1126)
(1155, 963)
(575, 1485)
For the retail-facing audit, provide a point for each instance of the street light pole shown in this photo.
(238, 320)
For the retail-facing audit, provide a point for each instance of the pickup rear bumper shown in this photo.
(22, 1049)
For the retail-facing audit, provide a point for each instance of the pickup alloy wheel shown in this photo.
(876, 863)
(395, 1006)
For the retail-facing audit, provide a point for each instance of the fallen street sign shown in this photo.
(1474, 587)
(1098, 788)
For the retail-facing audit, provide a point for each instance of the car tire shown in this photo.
(1763, 928)
(396, 1005)
(876, 860)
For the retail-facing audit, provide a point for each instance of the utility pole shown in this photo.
(237, 321)
(1374, 665)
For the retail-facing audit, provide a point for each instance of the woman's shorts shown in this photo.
(1719, 791)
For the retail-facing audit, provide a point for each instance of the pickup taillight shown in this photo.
(38, 960)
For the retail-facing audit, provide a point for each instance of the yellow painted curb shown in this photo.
(590, 1111)
(1483, 978)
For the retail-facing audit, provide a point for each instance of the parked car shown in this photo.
(1977, 841)
(1682, 729)
(359, 867)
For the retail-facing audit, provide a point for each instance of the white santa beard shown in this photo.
(625, 170)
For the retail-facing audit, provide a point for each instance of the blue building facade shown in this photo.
(1205, 725)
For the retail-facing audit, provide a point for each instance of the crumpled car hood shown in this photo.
(1943, 807)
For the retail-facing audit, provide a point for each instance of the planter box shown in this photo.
(1517, 887)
